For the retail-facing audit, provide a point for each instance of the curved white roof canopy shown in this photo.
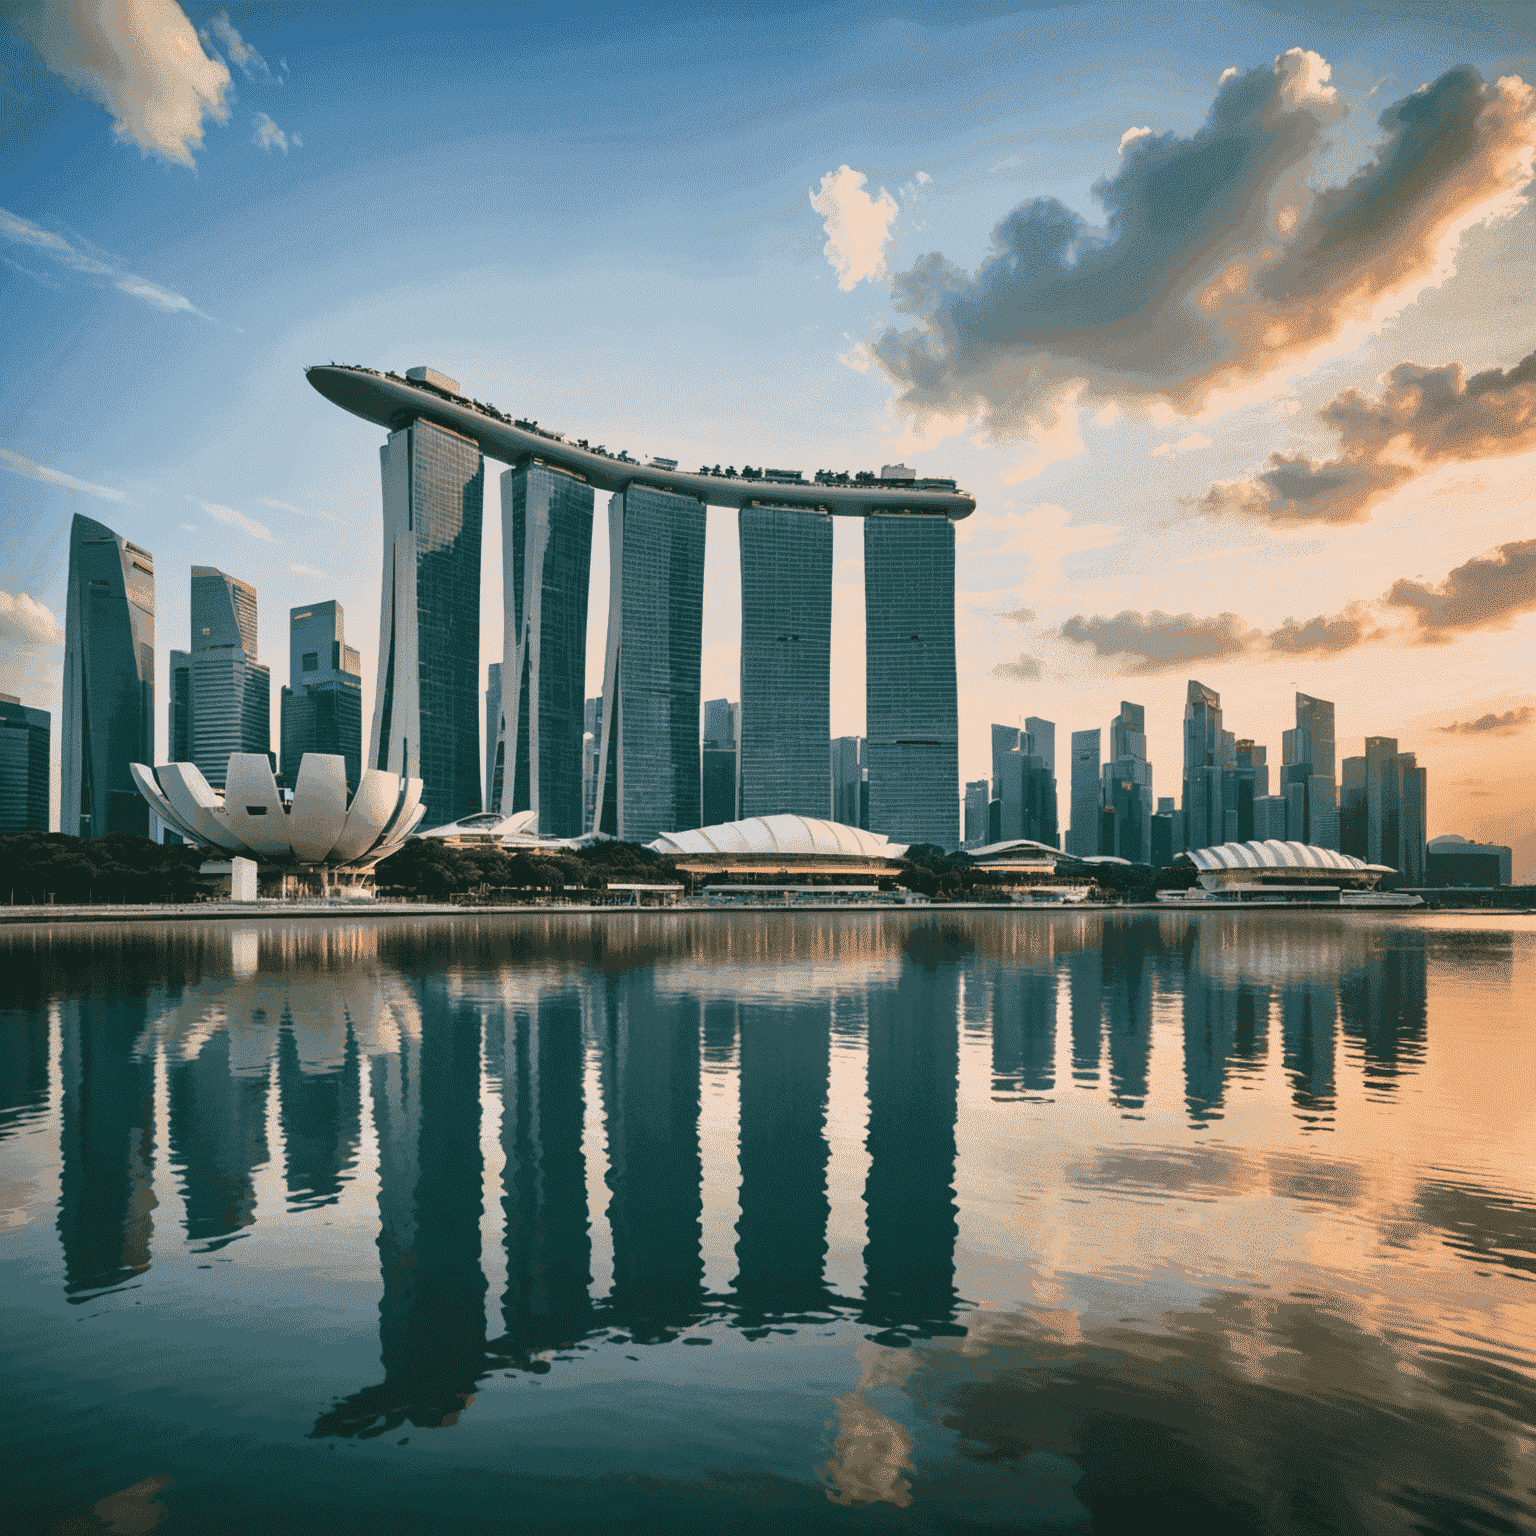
(249, 820)
(393, 402)
(1275, 854)
(491, 826)
(767, 835)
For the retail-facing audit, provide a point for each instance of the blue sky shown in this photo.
(602, 217)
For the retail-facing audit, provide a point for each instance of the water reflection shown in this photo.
(418, 1054)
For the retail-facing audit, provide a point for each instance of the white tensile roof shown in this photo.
(1274, 854)
(780, 834)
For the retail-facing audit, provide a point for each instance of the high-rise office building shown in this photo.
(221, 694)
(1042, 733)
(1316, 717)
(650, 769)
(1005, 739)
(786, 661)
(492, 800)
(1270, 818)
(426, 716)
(1028, 796)
(109, 682)
(546, 548)
(25, 741)
(912, 708)
(591, 758)
(1311, 745)
(978, 796)
(1381, 796)
(1127, 782)
(1205, 754)
(1164, 819)
(1250, 782)
(322, 704)
(1354, 810)
(847, 763)
(721, 720)
(1087, 796)
(1383, 809)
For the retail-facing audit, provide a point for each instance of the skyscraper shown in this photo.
(322, 705)
(978, 796)
(912, 709)
(1381, 797)
(1163, 820)
(25, 740)
(1204, 760)
(1087, 795)
(1250, 781)
(546, 548)
(786, 660)
(847, 762)
(492, 800)
(1028, 796)
(109, 682)
(591, 758)
(720, 745)
(1314, 717)
(227, 690)
(650, 772)
(1354, 811)
(1128, 784)
(1005, 739)
(426, 717)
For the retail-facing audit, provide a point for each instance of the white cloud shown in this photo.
(98, 267)
(250, 62)
(41, 472)
(309, 570)
(189, 527)
(24, 619)
(1184, 445)
(1229, 73)
(857, 225)
(236, 520)
(140, 59)
(858, 357)
(1130, 136)
(269, 136)
(283, 506)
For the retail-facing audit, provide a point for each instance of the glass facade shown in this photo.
(1086, 831)
(109, 682)
(786, 661)
(1205, 758)
(847, 764)
(322, 706)
(25, 740)
(721, 718)
(221, 695)
(912, 712)
(546, 541)
(426, 720)
(651, 673)
(493, 747)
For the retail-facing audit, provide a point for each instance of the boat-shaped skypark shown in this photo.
(426, 720)
(394, 401)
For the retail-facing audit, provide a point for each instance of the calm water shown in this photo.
(849, 1222)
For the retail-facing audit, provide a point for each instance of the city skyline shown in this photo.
(1125, 540)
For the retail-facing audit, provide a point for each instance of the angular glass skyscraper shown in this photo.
(847, 765)
(1086, 831)
(492, 735)
(1128, 784)
(546, 551)
(426, 716)
(25, 739)
(1205, 756)
(721, 732)
(651, 672)
(221, 696)
(109, 682)
(912, 710)
(322, 706)
(786, 661)
(1314, 717)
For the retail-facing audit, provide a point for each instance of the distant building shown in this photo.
(650, 771)
(1270, 819)
(25, 745)
(322, 704)
(493, 727)
(847, 765)
(1162, 839)
(1453, 860)
(977, 798)
(1206, 748)
(1087, 796)
(1127, 785)
(1250, 782)
(721, 758)
(546, 542)
(591, 758)
(786, 661)
(1383, 811)
(911, 702)
(1354, 808)
(1308, 763)
(109, 682)
(226, 689)
(1024, 783)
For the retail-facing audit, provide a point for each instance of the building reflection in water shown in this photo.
(1085, 984)
(1023, 1033)
(318, 1104)
(1128, 968)
(1384, 1005)
(1307, 1016)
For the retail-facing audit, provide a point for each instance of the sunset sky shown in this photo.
(1223, 314)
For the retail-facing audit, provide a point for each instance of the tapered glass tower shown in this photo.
(911, 703)
(426, 717)
(651, 672)
(786, 661)
(229, 702)
(322, 706)
(1205, 756)
(546, 546)
(109, 682)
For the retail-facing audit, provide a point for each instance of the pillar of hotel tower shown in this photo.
(109, 682)
(426, 717)
(786, 662)
(913, 745)
(546, 545)
(650, 752)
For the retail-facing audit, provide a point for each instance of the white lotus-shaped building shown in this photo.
(250, 819)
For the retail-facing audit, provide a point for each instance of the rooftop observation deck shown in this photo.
(393, 401)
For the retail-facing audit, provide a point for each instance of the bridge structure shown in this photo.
(426, 713)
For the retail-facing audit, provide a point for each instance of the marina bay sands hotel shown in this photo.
(426, 718)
